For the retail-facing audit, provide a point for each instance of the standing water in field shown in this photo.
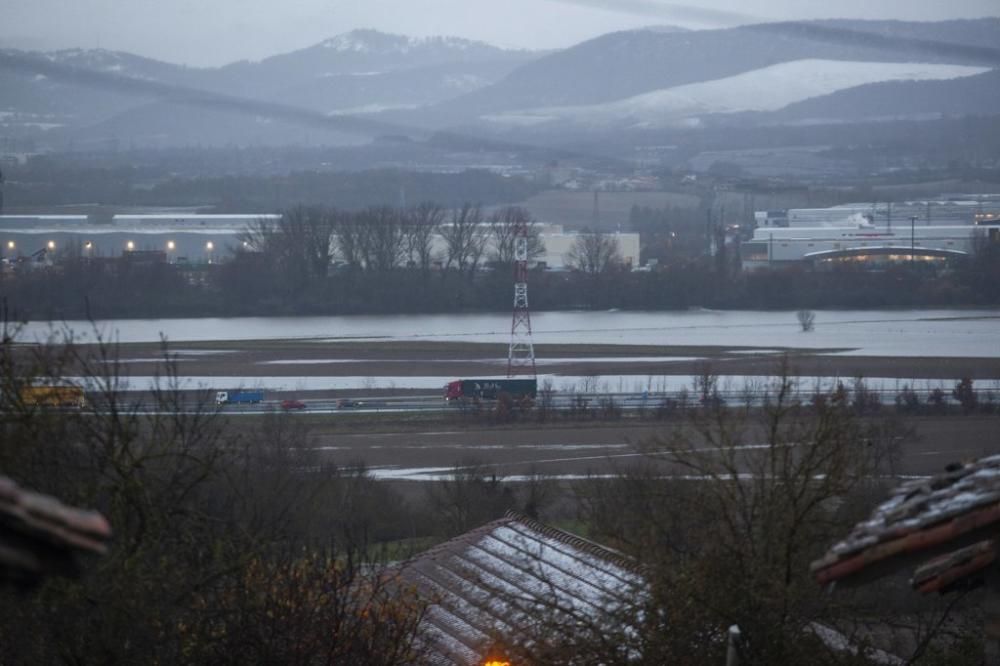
(968, 333)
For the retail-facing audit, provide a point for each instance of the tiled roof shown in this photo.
(39, 535)
(489, 582)
(953, 516)
(943, 573)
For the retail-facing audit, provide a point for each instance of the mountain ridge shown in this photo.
(440, 83)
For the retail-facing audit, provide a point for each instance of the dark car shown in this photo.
(346, 403)
(293, 404)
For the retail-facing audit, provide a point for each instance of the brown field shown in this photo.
(465, 359)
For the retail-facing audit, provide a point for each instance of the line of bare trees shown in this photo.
(306, 241)
(423, 258)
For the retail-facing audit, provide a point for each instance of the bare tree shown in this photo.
(729, 517)
(504, 223)
(299, 244)
(350, 241)
(472, 496)
(382, 229)
(208, 563)
(594, 253)
(807, 319)
(465, 238)
(419, 227)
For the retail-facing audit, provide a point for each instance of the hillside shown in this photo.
(833, 71)
(99, 91)
(626, 64)
(973, 95)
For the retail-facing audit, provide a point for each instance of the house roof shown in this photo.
(490, 582)
(40, 535)
(952, 517)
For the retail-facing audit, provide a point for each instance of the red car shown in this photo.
(293, 404)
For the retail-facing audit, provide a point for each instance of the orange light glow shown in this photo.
(495, 662)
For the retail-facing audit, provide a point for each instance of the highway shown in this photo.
(557, 401)
(567, 450)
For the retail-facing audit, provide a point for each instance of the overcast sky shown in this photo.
(214, 32)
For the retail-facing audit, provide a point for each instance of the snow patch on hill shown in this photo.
(766, 89)
(373, 41)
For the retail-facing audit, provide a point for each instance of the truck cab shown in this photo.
(453, 390)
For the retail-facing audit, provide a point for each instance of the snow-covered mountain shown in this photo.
(623, 65)
(361, 70)
(640, 78)
(361, 53)
(765, 89)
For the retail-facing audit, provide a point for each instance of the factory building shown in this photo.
(183, 238)
(957, 210)
(827, 245)
(867, 234)
(194, 238)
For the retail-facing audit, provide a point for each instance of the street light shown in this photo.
(171, 245)
(130, 245)
(209, 246)
(11, 245)
(88, 246)
(51, 245)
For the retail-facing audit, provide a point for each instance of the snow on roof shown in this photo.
(488, 582)
(924, 518)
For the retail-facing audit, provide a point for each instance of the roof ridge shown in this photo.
(570, 539)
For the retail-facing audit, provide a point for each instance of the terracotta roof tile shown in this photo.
(40, 535)
(943, 573)
(923, 518)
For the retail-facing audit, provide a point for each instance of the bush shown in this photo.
(965, 394)
(907, 401)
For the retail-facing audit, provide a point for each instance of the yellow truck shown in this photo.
(53, 396)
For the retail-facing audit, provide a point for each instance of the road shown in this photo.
(577, 450)
(562, 402)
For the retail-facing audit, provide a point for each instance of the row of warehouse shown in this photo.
(207, 238)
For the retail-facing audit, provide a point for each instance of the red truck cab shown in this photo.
(453, 390)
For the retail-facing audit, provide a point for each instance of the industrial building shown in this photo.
(196, 238)
(869, 234)
(183, 238)
(782, 247)
(956, 210)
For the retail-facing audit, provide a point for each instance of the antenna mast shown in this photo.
(521, 354)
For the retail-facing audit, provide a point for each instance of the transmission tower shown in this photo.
(521, 354)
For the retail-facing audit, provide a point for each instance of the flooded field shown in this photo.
(896, 333)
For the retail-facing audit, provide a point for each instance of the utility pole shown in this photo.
(913, 222)
(521, 353)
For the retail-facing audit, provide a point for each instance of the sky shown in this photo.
(207, 33)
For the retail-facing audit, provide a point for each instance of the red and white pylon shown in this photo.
(521, 353)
